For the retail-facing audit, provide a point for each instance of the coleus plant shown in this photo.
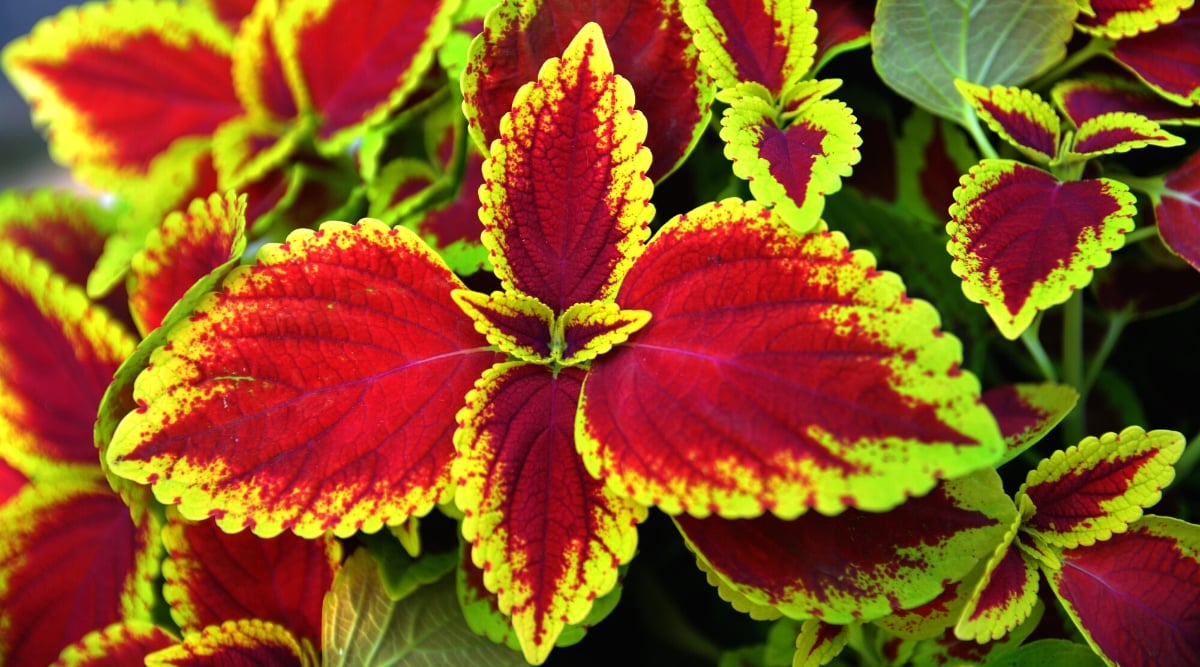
(648, 337)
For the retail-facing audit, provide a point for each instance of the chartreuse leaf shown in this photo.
(1081, 99)
(933, 618)
(401, 570)
(72, 560)
(1167, 58)
(1098, 487)
(188, 245)
(238, 643)
(1117, 132)
(589, 329)
(857, 566)
(365, 628)
(1023, 241)
(1027, 412)
(1134, 597)
(791, 168)
(920, 48)
(122, 643)
(212, 576)
(819, 643)
(560, 227)
(650, 43)
(548, 536)
(846, 392)
(1118, 19)
(1177, 210)
(1021, 117)
(1005, 595)
(517, 324)
(171, 66)
(769, 42)
(299, 359)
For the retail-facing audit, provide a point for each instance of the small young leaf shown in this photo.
(819, 643)
(1005, 595)
(587, 330)
(122, 643)
(1021, 117)
(517, 324)
(238, 643)
(1118, 132)
(1027, 412)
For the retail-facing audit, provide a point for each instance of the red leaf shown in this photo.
(65, 230)
(1026, 412)
(230, 12)
(1177, 211)
(241, 643)
(119, 645)
(1168, 58)
(259, 74)
(841, 25)
(1085, 99)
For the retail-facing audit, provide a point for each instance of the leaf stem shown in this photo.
(1140, 234)
(1075, 423)
(1094, 47)
(1116, 326)
(1030, 338)
(976, 131)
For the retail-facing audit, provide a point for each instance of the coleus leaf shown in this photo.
(169, 64)
(1177, 210)
(1117, 132)
(186, 247)
(1048, 652)
(558, 228)
(298, 359)
(752, 319)
(769, 42)
(517, 324)
(63, 230)
(1118, 19)
(933, 618)
(1027, 412)
(842, 25)
(819, 643)
(258, 69)
(947, 649)
(1135, 596)
(365, 628)
(548, 536)
(591, 328)
(791, 167)
(1021, 117)
(1146, 282)
(239, 643)
(931, 154)
(1005, 595)
(72, 560)
(919, 49)
(1098, 487)
(1082, 99)
(1167, 59)
(212, 577)
(229, 12)
(652, 47)
(857, 566)
(120, 644)
(250, 149)
(1023, 241)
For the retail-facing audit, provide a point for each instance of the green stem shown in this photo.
(1140, 234)
(980, 137)
(1095, 47)
(1030, 338)
(1075, 424)
(1116, 326)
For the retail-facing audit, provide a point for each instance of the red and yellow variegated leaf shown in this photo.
(229, 12)
(118, 645)
(1023, 241)
(1021, 117)
(587, 330)
(62, 229)
(936, 616)
(1027, 412)
(1098, 487)
(566, 201)
(731, 593)
(11, 481)
(71, 561)
(258, 70)
(770, 42)
(1167, 58)
(1118, 19)
(1081, 99)
(1005, 595)
(239, 643)
(548, 536)
(127, 87)
(353, 62)
(819, 643)
(517, 324)
(842, 25)
(930, 156)
(1177, 210)
(248, 149)
(274, 406)
(947, 649)
(1135, 596)
(212, 576)
(792, 168)
(857, 566)
(58, 352)
(1118, 132)
(402, 187)
(185, 248)
(649, 40)
(779, 372)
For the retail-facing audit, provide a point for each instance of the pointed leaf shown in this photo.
(1005, 595)
(936, 616)
(1168, 58)
(1118, 19)
(587, 330)
(920, 48)
(769, 42)
(819, 643)
(1021, 117)
(118, 645)
(127, 87)
(1135, 596)
(258, 70)
(299, 360)
(1177, 210)
(365, 628)
(1023, 241)
(238, 643)
(1027, 412)
(1098, 487)
(649, 40)
(353, 62)
(71, 561)
(1081, 99)
(212, 577)
(548, 536)
(791, 169)
(249, 149)
(779, 372)
(561, 228)
(1118, 132)
(857, 566)
(842, 25)
(517, 324)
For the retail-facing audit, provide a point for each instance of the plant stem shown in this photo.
(980, 137)
(1030, 338)
(1116, 326)
(1075, 423)
(1095, 47)
(1140, 234)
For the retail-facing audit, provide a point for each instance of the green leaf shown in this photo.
(1048, 653)
(919, 48)
(366, 628)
